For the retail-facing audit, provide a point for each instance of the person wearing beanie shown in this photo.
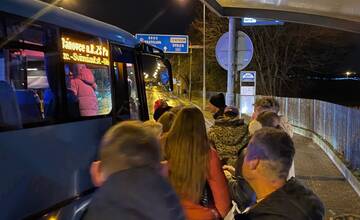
(217, 105)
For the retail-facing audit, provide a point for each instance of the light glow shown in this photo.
(32, 69)
(84, 52)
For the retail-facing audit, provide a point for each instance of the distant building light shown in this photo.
(32, 69)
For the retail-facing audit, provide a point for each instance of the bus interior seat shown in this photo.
(9, 109)
(72, 104)
(49, 104)
(29, 105)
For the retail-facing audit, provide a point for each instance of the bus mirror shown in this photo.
(170, 75)
(157, 73)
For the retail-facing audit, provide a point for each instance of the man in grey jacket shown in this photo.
(266, 165)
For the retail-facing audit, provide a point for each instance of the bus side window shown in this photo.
(28, 77)
(23, 68)
(88, 90)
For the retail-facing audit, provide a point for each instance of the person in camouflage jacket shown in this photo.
(229, 134)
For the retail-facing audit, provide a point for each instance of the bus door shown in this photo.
(126, 85)
(156, 75)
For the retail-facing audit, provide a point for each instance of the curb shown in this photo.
(354, 182)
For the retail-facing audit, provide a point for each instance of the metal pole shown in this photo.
(178, 74)
(204, 58)
(190, 69)
(231, 62)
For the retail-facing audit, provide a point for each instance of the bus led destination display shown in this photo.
(84, 52)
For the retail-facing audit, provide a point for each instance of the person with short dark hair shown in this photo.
(269, 119)
(264, 119)
(217, 105)
(266, 165)
(128, 174)
(270, 104)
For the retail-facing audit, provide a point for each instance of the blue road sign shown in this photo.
(167, 43)
(259, 22)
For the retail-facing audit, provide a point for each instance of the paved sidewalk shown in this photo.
(315, 169)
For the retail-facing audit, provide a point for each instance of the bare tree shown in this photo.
(281, 53)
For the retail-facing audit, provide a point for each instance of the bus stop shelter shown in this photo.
(338, 14)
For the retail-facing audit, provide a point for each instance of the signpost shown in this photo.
(167, 43)
(234, 52)
(244, 50)
(247, 91)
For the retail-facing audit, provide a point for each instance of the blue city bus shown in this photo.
(64, 80)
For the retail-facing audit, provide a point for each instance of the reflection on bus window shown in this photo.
(133, 92)
(157, 81)
(33, 34)
(28, 78)
(89, 88)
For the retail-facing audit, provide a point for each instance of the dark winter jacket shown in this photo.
(135, 194)
(293, 201)
(240, 190)
(219, 113)
(160, 111)
(229, 135)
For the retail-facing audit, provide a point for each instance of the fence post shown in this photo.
(299, 115)
(314, 116)
(348, 136)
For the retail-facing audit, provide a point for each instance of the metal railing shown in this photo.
(338, 125)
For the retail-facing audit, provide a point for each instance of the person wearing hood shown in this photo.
(84, 86)
(228, 134)
(267, 162)
(217, 105)
(160, 107)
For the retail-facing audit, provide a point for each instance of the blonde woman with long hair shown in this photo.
(194, 168)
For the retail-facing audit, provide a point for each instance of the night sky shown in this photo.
(139, 16)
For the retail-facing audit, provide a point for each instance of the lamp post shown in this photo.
(204, 53)
(204, 58)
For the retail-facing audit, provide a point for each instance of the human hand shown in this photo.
(228, 175)
(229, 169)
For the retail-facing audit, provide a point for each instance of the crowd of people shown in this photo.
(173, 168)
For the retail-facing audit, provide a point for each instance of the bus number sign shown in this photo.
(84, 52)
